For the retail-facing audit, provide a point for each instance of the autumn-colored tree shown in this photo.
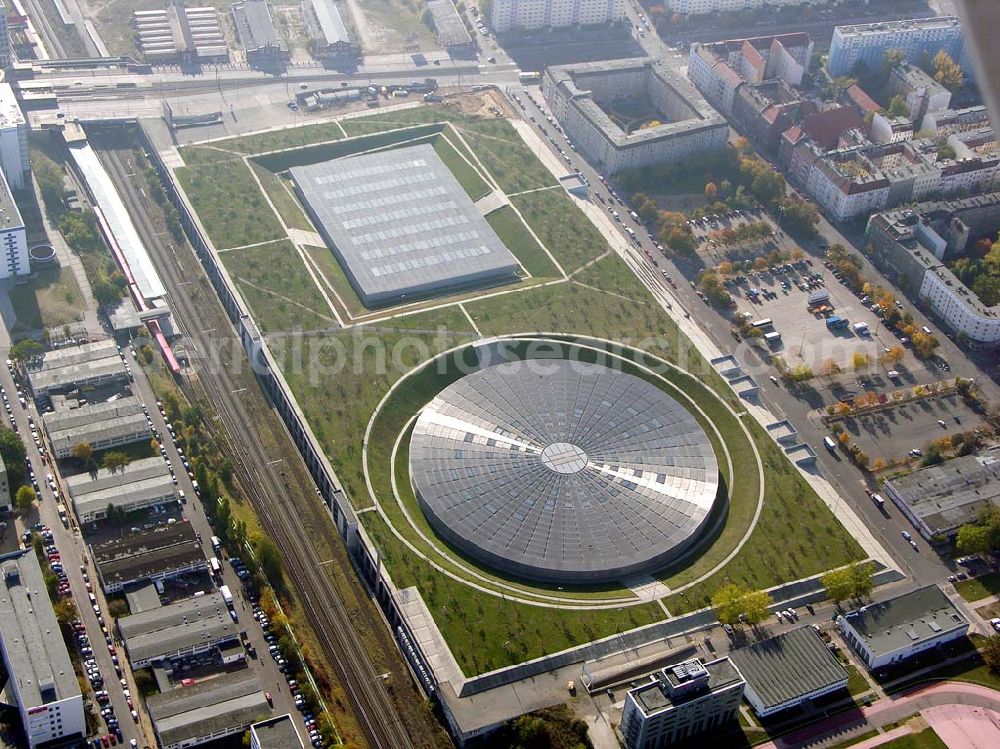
(859, 360)
(829, 367)
(844, 437)
(725, 268)
(711, 190)
(947, 72)
(894, 355)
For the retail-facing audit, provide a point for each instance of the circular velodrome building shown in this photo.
(562, 471)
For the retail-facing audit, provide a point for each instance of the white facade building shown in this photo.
(4, 37)
(41, 677)
(867, 43)
(14, 260)
(701, 7)
(540, 14)
(13, 139)
(892, 631)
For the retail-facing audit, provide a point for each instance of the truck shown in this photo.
(773, 338)
(829, 444)
(763, 323)
(861, 328)
(227, 594)
(216, 566)
(835, 322)
(216, 544)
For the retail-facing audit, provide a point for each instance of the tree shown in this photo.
(13, 453)
(117, 608)
(734, 604)
(991, 652)
(973, 539)
(897, 107)
(115, 462)
(24, 500)
(65, 610)
(829, 367)
(26, 349)
(798, 217)
(711, 190)
(861, 575)
(859, 360)
(891, 59)
(947, 72)
(894, 355)
(837, 584)
(83, 452)
(270, 560)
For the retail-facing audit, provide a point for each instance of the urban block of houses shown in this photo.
(910, 245)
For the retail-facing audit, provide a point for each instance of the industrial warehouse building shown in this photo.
(180, 35)
(401, 225)
(939, 499)
(208, 710)
(41, 680)
(329, 38)
(160, 553)
(256, 31)
(582, 96)
(788, 670)
(681, 702)
(187, 627)
(891, 631)
(451, 31)
(143, 483)
(100, 425)
(65, 369)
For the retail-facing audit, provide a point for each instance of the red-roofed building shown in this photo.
(862, 102)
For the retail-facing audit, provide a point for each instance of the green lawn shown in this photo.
(284, 202)
(979, 587)
(515, 235)
(507, 158)
(470, 180)
(293, 137)
(856, 681)
(228, 201)
(382, 121)
(335, 278)
(561, 227)
(50, 298)
(273, 280)
(926, 739)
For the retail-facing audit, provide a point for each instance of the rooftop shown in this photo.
(35, 650)
(146, 478)
(148, 553)
(213, 706)
(254, 25)
(401, 224)
(10, 216)
(683, 682)
(325, 22)
(65, 366)
(447, 23)
(94, 422)
(788, 667)
(952, 493)
(905, 620)
(892, 27)
(153, 634)
(10, 111)
(277, 733)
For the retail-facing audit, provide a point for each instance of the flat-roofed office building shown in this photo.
(143, 483)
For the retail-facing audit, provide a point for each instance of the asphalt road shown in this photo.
(264, 478)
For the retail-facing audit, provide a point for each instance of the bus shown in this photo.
(529, 78)
(765, 323)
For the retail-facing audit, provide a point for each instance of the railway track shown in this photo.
(44, 27)
(266, 485)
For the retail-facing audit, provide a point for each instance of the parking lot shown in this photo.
(891, 433)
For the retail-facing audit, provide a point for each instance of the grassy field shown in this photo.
(284, 202)
(280, 300)
(856, 682)
(979, 587)
(561, 227)
(506, 157)
(275, 140)
(470, 179)
(227, 199)
(338, 287)
(925, 739)
(49, 299)
(515, 235)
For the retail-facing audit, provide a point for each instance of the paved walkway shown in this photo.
(965, 726)
(841, 727)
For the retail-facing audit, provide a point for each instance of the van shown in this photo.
(927, 331)
(216, 544)
(892, 374)
(829, 443)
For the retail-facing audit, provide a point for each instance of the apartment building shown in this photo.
(919, 90)
(867, 43)
(14, 259)
(909, 246)
(579, 94)
(541, 14)
(703, 7)
(13, 140)
(41, 678)
(949, 121)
